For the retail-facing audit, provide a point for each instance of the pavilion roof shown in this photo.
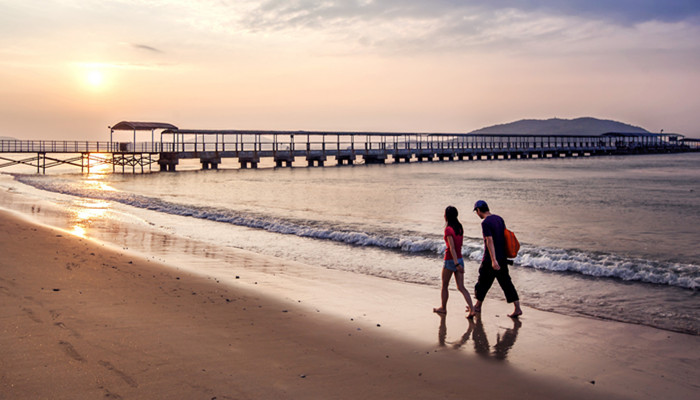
(141, 126)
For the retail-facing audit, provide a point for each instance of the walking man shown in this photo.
(495, 263)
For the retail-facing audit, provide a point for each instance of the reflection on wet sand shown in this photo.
(95, 219)
(84, 212)
(504, 342)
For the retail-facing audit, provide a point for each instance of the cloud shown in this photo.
(617, 11)
(121, 65)
(419, 25)
(146, 48)
(277, 14)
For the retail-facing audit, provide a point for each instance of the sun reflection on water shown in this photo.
(79, 231)
(93, 182)
(85, 211)
(98, 165)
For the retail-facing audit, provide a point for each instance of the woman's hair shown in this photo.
(451, 214)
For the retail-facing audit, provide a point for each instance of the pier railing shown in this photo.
(284, 147)
(57, 146)
(200, 141)
(268, 144)
(302, 142)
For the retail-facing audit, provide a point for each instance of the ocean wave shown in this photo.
(610, 266)
(549, 259)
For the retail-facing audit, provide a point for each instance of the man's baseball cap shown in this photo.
(480, 204)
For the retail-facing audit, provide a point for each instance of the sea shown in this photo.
(611, 237)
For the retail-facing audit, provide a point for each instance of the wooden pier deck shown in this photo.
(285, 148)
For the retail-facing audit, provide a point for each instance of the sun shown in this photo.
(95, 78)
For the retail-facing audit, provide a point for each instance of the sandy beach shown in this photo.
(81, 320)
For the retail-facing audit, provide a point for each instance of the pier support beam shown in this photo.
(424, 157)
(249, 159)
(342, 160)
(315, 160)
(244, 164)
(374, 158)
(398, 158)
(212, 162)
(168, 161)
(208, 165)
(283, 160)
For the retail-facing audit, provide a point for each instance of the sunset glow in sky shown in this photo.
(70, 68)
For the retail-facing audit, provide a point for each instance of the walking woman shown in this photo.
(454, 264)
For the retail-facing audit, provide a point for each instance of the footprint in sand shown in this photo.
(31, 315)
(110, 395)
(70, 350)
(72, 331)
(126, 378)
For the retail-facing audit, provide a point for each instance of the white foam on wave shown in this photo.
(611, 266)
(550, 259)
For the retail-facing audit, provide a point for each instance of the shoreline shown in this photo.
(126, 326)
(590, 291)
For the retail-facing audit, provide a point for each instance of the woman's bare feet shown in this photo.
(470, 312)
(476, 309)
(439, 310)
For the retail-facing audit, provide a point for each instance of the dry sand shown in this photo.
(81, 321)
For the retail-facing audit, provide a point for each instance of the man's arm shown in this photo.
(492, 252)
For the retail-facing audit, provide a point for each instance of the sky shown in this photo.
(71, 68)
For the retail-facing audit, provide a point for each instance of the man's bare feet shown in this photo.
(516, 313)
(439, 310)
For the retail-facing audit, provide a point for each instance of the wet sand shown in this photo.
(81, 320)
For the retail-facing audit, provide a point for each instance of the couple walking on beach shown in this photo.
(493, 266)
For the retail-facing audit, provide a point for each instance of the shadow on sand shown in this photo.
(504, 342)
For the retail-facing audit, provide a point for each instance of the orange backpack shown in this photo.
(512, 244)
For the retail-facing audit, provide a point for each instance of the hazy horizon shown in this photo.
(70, 68)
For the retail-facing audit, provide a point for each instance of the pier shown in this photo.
(163, 144)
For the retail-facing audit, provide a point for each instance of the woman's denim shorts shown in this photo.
(450, 264)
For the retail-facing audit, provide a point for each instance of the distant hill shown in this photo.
(557, 126)
(7, 138)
